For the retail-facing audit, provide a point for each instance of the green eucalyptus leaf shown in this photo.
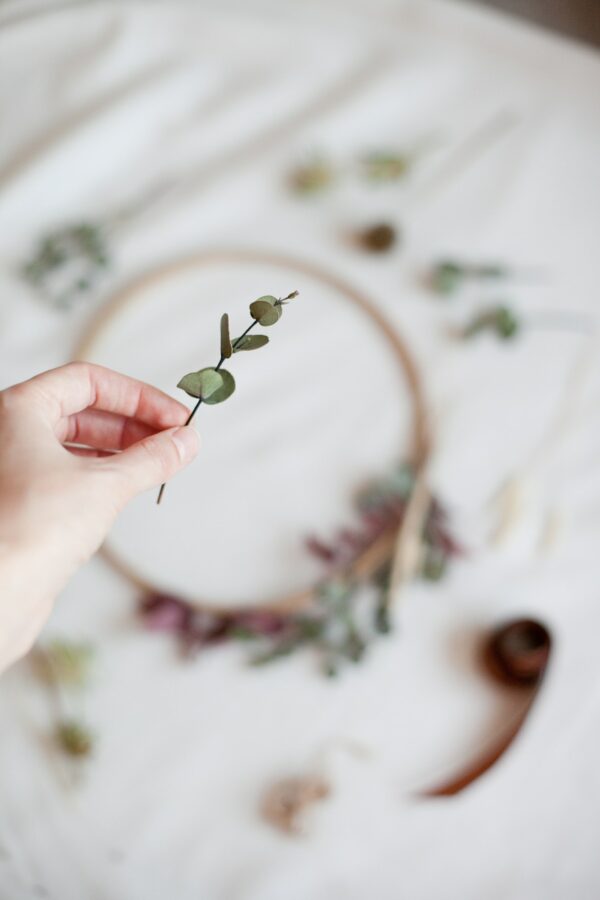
(259, 308)
(226, 348)
(265, 310)
(250, 342)
(203, 384)
(267, 298)
(225, 390)
(506, 322)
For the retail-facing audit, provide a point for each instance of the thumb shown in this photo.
(155, 459)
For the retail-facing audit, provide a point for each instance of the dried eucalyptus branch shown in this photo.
(215, 384)
(502, 322)
(449, 276)
(498, 320)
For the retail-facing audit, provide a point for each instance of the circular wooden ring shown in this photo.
(376, 554)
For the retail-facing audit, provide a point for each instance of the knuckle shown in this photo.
(77, 367)
(11, 398)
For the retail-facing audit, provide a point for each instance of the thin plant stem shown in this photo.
(197, 406)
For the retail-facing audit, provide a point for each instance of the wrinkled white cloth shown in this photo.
(97, 100)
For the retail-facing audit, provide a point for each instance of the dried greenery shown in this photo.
(313, 176)
(68, 262)
(499, 321)
(347, 613)
(285, 801)
(449, 276)
(74, 738)
(387, 165)
(64, 667)
(378, 238)
(215, 384)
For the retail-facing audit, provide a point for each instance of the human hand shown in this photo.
(76, 444)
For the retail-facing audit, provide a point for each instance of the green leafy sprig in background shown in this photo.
(64, 667)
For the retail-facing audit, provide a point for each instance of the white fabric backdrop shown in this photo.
(96, 99)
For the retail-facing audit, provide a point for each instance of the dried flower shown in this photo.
(383, 166)
(163, 612)
(331, 625)
(499, 320)
(197, 628)
(259, 623)
(74, 738)
(68, 261)
(378, 238)
(448, 276)
(286, 800)
(204, 627)
(312, 177)
(64, 667)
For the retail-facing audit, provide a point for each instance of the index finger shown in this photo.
(78, 385)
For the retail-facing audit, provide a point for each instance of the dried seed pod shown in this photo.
(286, 800)
(378, 238)
(74, 738)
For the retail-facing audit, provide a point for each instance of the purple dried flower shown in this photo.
(442, 540)
(437, 513)
(206, 627)
(164, 612)
(321, 550)
(353, 540)
(260, 622)
(376, 521)
(396, 508)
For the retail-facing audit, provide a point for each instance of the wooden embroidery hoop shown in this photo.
(383, 546)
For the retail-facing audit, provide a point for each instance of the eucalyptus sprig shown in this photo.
(500, 321)
(215, 384)
(67, 262)
(449, 276)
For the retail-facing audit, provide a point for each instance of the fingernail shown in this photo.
(187, 442)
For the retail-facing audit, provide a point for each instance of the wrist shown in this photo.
(27, 592)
